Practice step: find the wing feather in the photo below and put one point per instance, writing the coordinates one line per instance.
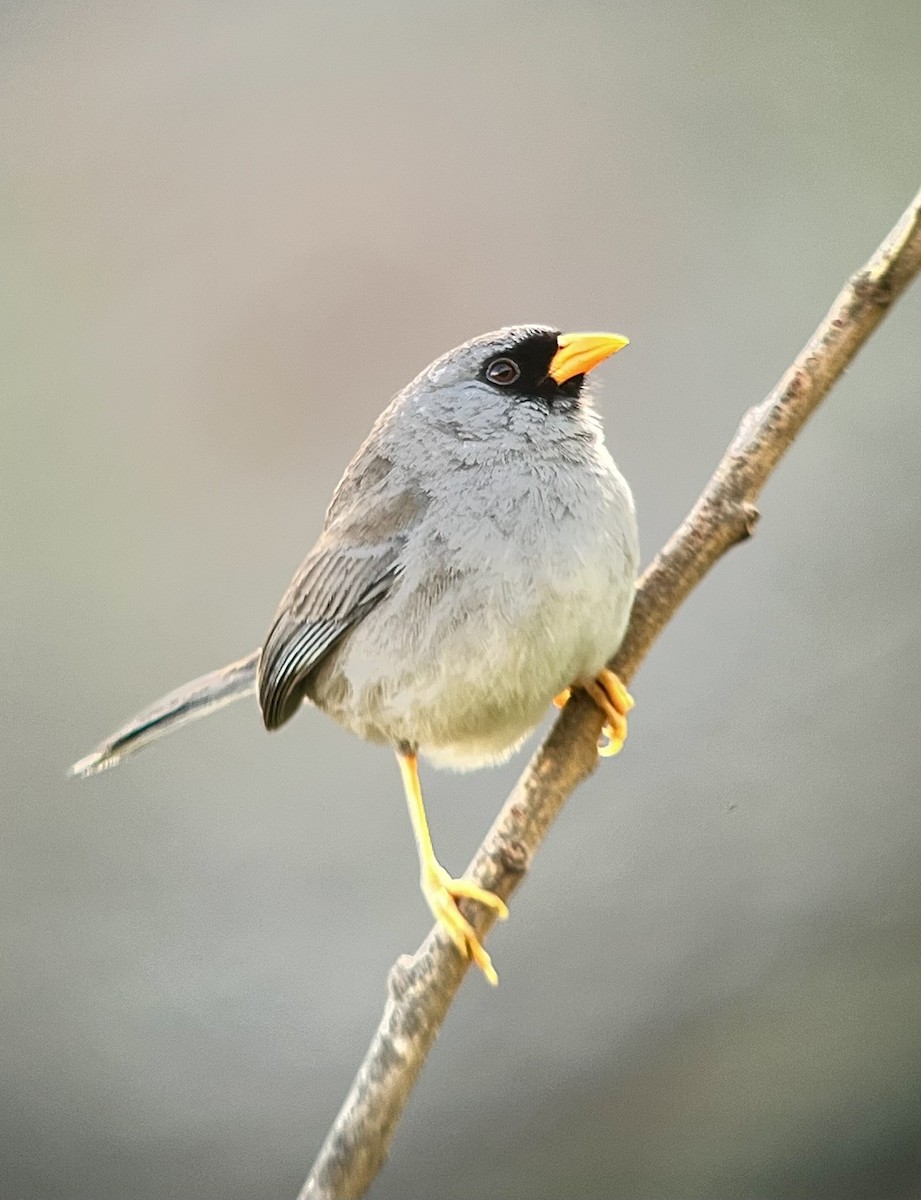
(328, 604)
(351, 569)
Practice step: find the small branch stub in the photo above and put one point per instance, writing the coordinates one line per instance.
(751, 515)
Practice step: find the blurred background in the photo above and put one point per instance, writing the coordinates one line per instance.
(230, 232)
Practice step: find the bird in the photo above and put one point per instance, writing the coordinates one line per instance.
(477, 562)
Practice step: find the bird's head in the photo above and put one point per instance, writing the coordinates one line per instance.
(516, 378)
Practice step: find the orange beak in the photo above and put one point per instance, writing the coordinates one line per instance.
(580, 352)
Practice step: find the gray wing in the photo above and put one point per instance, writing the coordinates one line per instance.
(352, 568)
(334, 590)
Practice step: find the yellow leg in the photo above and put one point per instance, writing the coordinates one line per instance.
(609, 693)
(440, 890)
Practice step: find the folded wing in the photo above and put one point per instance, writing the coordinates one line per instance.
(336, 587)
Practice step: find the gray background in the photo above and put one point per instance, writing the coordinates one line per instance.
(230, 232)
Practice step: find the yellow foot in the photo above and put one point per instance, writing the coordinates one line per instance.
(609, 693)
(442, 893)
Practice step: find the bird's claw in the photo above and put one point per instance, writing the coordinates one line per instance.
(612, 697)
(442, 893)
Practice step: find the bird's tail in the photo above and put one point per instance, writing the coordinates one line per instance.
(185, 704)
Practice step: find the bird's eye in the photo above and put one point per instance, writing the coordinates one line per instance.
(502, 371)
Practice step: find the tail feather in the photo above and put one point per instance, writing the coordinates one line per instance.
(187, 703)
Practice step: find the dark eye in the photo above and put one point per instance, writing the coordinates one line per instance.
(502, 371)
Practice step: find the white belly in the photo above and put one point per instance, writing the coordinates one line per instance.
(467, 677)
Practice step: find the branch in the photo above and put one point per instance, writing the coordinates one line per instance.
(422, 987)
